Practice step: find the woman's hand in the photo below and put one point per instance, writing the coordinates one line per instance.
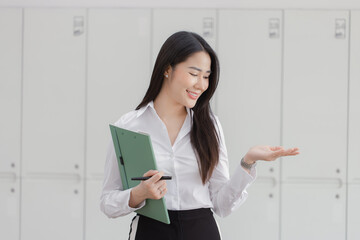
(153, 188)
(268, 153)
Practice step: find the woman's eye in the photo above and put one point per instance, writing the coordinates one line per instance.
(193, 74)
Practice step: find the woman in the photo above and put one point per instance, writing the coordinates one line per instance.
(189, 145)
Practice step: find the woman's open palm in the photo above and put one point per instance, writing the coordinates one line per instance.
(270, 153)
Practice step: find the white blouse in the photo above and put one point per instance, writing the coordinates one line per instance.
(186, 190)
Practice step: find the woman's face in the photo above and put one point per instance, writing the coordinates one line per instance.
(188, 80)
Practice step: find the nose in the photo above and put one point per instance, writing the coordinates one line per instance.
(202, 83)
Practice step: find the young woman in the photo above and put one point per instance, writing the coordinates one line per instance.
(188, 144)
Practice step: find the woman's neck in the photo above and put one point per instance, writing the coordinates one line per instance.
(167, 108)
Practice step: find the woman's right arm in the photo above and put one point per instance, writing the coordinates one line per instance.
(116, 202)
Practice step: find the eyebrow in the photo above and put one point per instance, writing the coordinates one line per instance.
(198, 69)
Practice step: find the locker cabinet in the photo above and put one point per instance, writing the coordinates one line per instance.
(10, 121)
(248, 100)
(118, 75)
(258, 217)
(54, 91)
(9, 208)
(354, 131)
(313, 211)
(248, 106)
(98, 225)
(315, 93)
(52, 208)
(10, 89)
(354, 100)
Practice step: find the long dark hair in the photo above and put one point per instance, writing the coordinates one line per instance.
(204, 138)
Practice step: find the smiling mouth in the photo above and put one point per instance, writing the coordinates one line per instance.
(192, 94)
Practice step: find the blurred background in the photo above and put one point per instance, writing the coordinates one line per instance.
(290, 75)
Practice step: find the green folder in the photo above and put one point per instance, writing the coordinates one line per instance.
(135, 157)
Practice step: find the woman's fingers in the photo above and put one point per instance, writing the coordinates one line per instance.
(150, 173)
(155, 177)
(160, 184)
(155, 187)
(276, 148)
(288, 152)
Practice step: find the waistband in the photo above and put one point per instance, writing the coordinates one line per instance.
(189, 214)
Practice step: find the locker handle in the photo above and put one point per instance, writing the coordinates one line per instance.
(330, 181)
(8, 175)
(64, 176)
(267, 180)
(97, 175)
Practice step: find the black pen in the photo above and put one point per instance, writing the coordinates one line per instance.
(146, 178)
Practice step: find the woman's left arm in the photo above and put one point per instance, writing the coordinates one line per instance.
(226, 193)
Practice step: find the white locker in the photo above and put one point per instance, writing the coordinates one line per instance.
(168, 21)
(258, 217)
(118, 75)
(315, 89)
(313, 211)
(9, 208)
(98, 225)
(52, 209)
(354, 100)
(248, 97)
(10, 121)
(353, 214)
(248, 106)
(353, 209)
(10, 89)
(54, 91)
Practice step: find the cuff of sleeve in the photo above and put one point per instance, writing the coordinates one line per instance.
(252, 173)
(130, 209)
(241, 179)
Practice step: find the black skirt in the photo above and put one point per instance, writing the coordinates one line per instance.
(197, 224)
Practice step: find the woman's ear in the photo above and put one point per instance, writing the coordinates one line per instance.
(168, 71)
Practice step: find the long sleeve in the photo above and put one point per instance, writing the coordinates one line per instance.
(114, 201)
(227, 194)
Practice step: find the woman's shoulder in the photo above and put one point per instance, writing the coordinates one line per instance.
(126, 118)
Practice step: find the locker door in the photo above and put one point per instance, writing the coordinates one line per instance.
(315, 93)
(9, 208)
(98, 225)
(313, 211)
(354, 131)
(118, 75)
(248, 106)
(258, 217)
(10, 121)
(354, 100)
(10, 89)
(248, 99)
(54, 91)
(168, 21)
(52, 209)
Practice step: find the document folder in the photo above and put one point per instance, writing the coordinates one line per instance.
(135, 157)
